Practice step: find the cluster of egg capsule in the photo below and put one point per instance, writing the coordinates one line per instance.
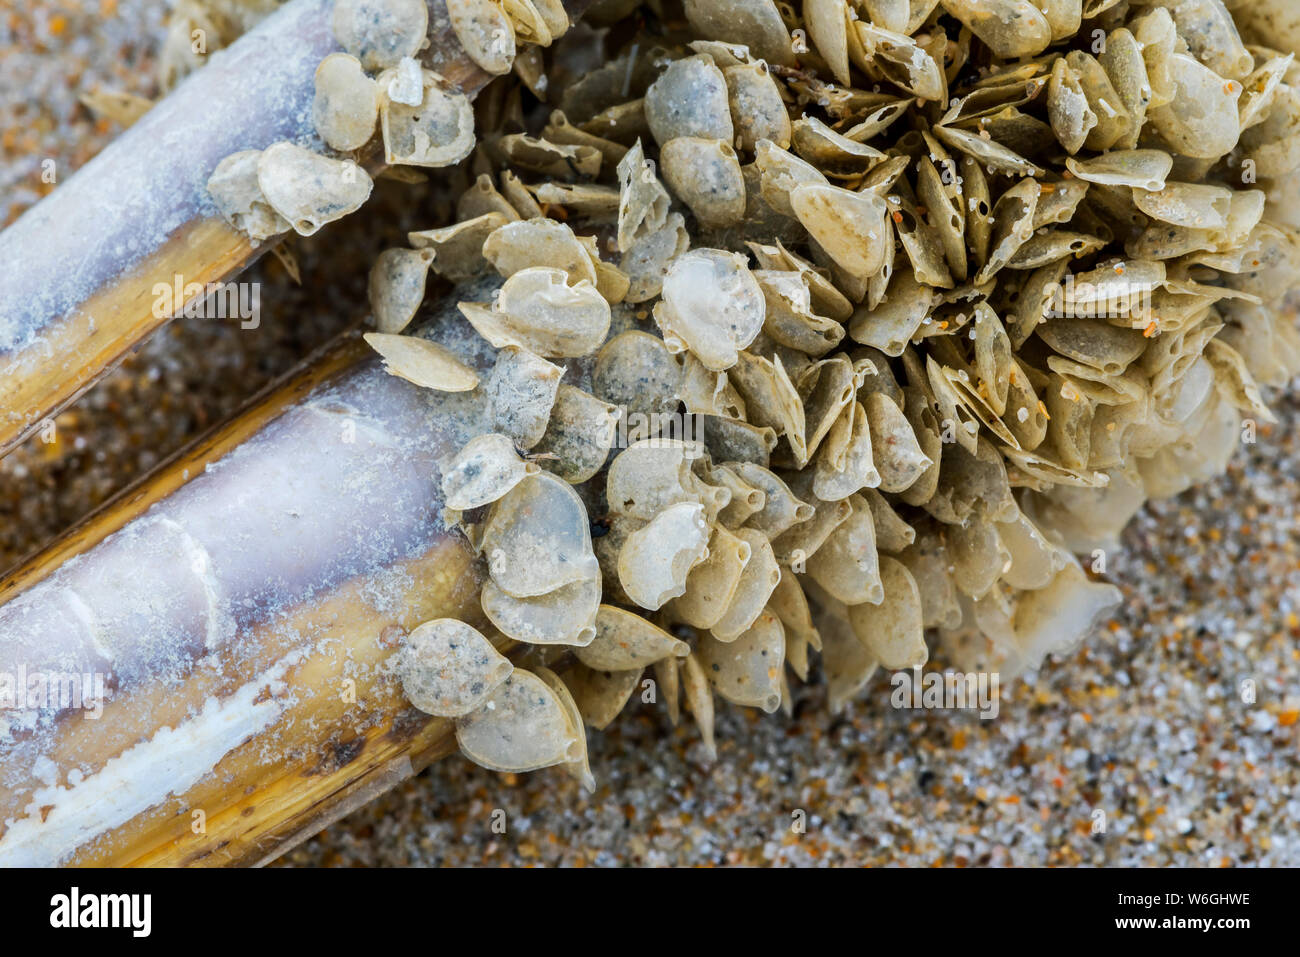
(950, 287)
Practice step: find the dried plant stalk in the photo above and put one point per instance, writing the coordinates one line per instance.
(232, 728)
(82, 264)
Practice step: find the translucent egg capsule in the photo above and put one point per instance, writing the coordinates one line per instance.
(896, 451)
(559, 130)
(538, 310)
(780, 173)
(486, 33)
(711, 585)
(643, 202)
(790, 318)
(1067, 108)
(746, 500)
(1139, 169)
(830, 152)
(484, 197)
(537, 538)
(758, 579)
(757, 110)
(1193, 205)
(850, 226)
(521, 391)
(565, 616)
(987, 152)
(705, 175)
(667, 672)
(756, 24)
(902, 61)
(655, 560)
(1011, 28)
(1212, 37)
(689, 99)
(699, 701)
(801, 541)
(538, 242)
(483, 471)
(309, 190)
(847, 566)
(781, 508)
(449, 669)
(625, 641)
(747, 671)
(238, 197)
(346, 105)
(579, 435)
(521, 727)
(422, 362)
(396, 286)
(589, 201)
(647, 260)
(892, 629)
(1202, 120)
(561, 161)
(578, 767)
(846, 463)
(437, 132)
(601, 695)
(827, 22)
(772, 400)
(380, 32)
(636, 372)
(712, 305)
(1124, 65)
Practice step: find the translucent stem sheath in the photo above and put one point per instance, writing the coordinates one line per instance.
(232, 613)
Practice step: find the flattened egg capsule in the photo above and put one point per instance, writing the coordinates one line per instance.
(747, 671)
(624, 640)
(396, 286)
(310, 190)
(526, 243)
(422, 362)
(537, 538)
(565, 616)
(486, 33)
(521, 391)
(892, 629)
(643, 202)
(538, 310)
(655, 560)
(705, 174)
(689, 99)
(712, 305)
(437, 132)
(758, 579)
(711, 585)
(699, 701)
(448, 668)
(579, 768)
(458, 248)
(521, 727)
(345, 108)
(380, 32)
(235, 191)
(636, 372)
(650, 475)
(601, 695)
(579, 435)
(483, 471)
(647, 260)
